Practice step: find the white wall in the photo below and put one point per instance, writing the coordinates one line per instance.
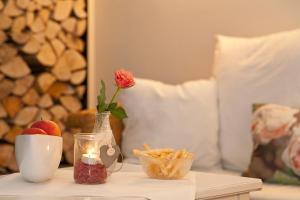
(173, 40)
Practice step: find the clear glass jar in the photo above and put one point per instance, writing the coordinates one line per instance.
(88, 168)
(95, 154)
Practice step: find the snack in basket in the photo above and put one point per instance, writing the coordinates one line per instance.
(165, 163)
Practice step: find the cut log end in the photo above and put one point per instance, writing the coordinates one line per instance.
(4, 128)
(20, 38)
(45, 80)
(32, 46)
(26, 116)
(19, 24)
(15, 68)
(59, 112)
(22, 85)
(62, 9)
(5, 21)
(37, 25)
(7, 53)
(45, 101)
(52, 29)
(75, 60)
(12, 134)
(62, 70)
(6, 87)
(3, 37)
(31, 98)
(79, 8)
(11, 9)
(12, 105)
(44, 14)
(71, 103)
(81, 27)
(78, 77)
(6, 154)
(80, 90)
(3, 112)
(46, 56)
(58, 47)
(59, 89)
(1, 5)
(23, 4)
(44, 115)
(69, 24)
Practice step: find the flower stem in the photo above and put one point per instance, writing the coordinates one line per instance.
(115, 95)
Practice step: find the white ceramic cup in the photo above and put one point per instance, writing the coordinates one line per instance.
(38, 156)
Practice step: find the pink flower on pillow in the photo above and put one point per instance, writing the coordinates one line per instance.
(291, 155)
(272, 121)
(124, 79)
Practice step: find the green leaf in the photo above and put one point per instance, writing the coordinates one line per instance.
(101, 98)
(112, 106)
(102, 91)
(119, 112)
(101, 107)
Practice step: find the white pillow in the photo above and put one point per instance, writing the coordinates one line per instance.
(253, 70)
(177, 116)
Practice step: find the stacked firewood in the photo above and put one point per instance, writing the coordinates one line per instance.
(42, 65)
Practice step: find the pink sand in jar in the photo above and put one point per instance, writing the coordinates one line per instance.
(89, 174)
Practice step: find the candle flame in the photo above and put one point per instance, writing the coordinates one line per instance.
(91, 151)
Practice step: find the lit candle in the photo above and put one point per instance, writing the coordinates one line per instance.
(90, 157)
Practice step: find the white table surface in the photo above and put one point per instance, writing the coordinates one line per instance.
(121, 184)
(212, 185)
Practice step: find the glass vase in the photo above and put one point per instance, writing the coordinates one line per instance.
(110, 149)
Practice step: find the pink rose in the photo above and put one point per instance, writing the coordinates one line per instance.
(271, 122)
(291, 155)
(124, 79)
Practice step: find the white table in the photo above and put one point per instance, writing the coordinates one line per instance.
(225, 187)
(215, 186)
(212, 186)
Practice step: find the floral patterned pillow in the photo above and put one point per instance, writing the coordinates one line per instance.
(276, 153)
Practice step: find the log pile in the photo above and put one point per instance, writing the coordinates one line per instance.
(42, 66)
